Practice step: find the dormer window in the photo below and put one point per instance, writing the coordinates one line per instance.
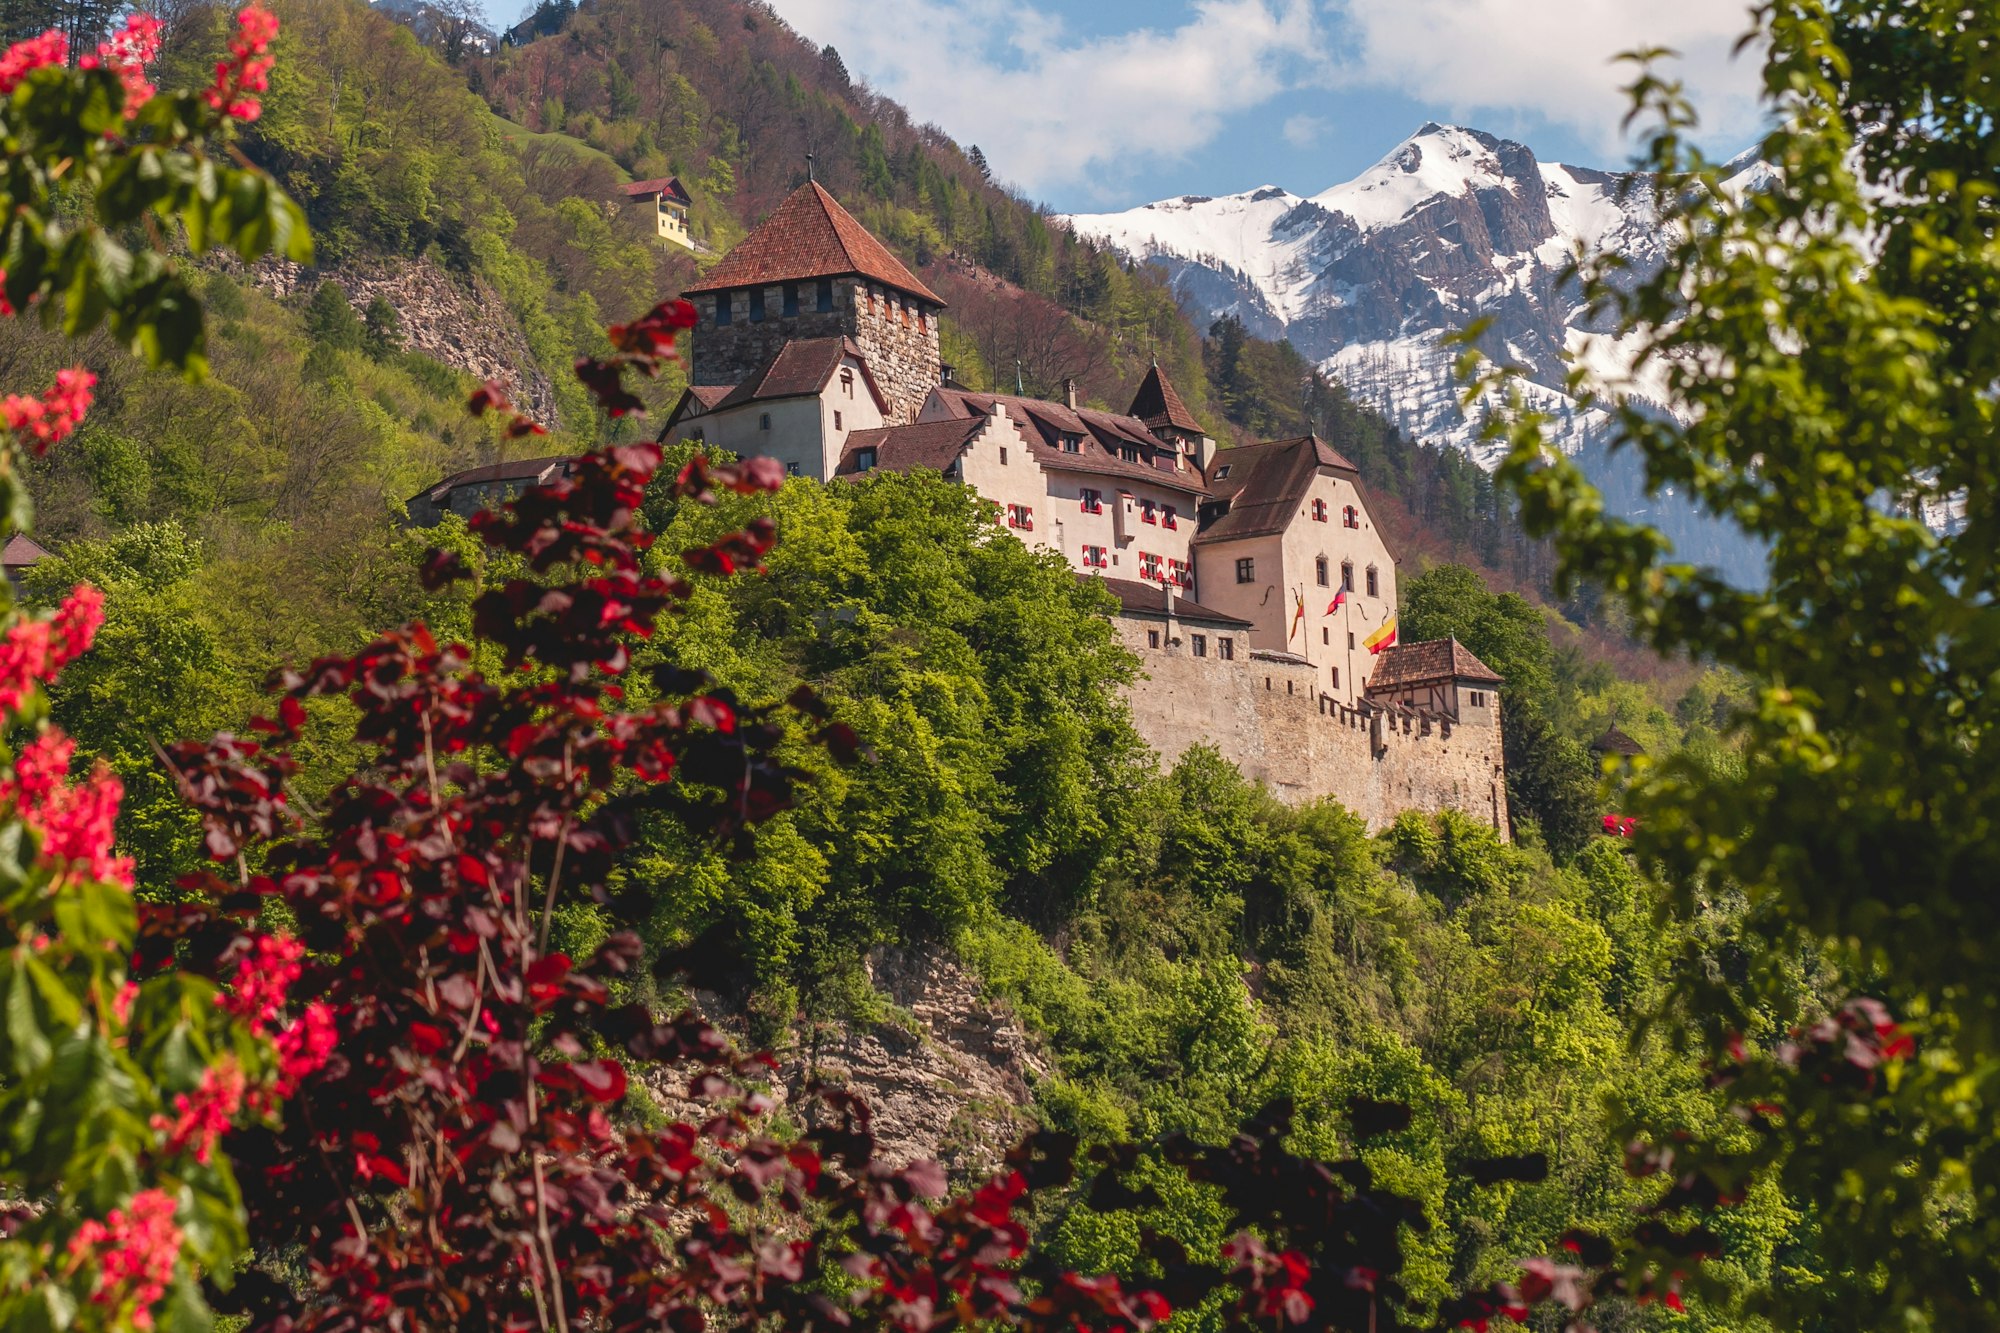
(1072, 444)
(1319, 515)
(864, 460)
(1222, 472)
(1129, 452)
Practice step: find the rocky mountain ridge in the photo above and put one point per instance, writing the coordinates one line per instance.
(1452, 226)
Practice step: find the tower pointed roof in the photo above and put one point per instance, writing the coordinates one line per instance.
(810, 236)
(1158, 404)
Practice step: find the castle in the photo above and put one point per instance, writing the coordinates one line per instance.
(1251, 582)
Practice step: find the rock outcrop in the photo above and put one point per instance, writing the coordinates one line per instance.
(946, 1076)
(459, 321)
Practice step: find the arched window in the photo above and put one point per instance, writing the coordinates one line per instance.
(1319, 515)
(1319, 570)
(1347, 576)
(1350, 517)
(1374, 584)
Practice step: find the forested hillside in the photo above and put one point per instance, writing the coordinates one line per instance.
(1179, 948)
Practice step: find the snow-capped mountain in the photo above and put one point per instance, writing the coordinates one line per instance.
(1452, 226)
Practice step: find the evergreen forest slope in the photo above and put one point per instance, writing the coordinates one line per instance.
(1178, 947)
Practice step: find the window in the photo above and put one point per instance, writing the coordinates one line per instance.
(1222, 472)
(1003, 455)
(1148, 512)
(1225, 648)
(1200, 645)
(1169, 518)
(763, 421)
(1152, 638)
(723, 312)
(1093, 557)
(756, 305)
(1129, 452)
(1072, 444)
(1020, 516)
(1179, 574)
(1479, 698)
(1246, 570)
(864, 460)
(836, 421)
(1347, 576)
(847, 381)
(825, 295)
(1336, 678)
(1319, 511)
(791, 306)
(1319, 570)
(1325, 635)
(1350, 641)
(1149, 566)
(791, 469)
(1374, 584)
(1090, 501)
(1350, 517)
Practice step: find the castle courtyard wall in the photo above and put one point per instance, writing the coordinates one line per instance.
(1267, 716)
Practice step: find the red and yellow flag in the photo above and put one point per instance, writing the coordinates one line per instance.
(1298, 614)
(1381, 638)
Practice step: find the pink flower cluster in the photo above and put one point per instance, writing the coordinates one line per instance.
(303, 1047)
(201, 1118)
(248, 69)
(45, 420)
(128, 53)
(135, 1250)
(25, 57)
(263, 977)
(33, 651)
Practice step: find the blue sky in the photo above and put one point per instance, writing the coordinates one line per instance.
(1092, 105)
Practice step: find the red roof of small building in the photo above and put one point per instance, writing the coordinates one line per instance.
(21, 551)
(1406, 664)
(810, 236)
(1159, 405)
(533, 470)
(669, 186)
(1264, 484)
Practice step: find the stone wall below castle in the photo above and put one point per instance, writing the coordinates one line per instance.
(1267, 716)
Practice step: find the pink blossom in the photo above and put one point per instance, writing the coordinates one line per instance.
(201, 1118)
(121, 1003)
(304, 1046)
(60, 410)
(135, 1251)
(76, 822)
(32, 651)
(263, 977)
(24, 58)
(128, 53)
(247, 69)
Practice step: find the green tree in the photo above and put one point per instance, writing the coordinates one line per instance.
(330, 318)
(1831, 339)
(382, 328)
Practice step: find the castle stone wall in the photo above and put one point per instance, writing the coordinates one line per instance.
(899, 338)
(1267, 716)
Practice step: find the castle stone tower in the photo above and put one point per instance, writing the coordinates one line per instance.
(811, 271)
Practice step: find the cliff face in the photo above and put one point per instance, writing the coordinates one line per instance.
(946, 1077)
(1369, 277)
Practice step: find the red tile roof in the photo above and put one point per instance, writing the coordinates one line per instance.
(21, 551)
(803, 366)
(1264, 484)
(810, 236)
(669, 186)
(1136, 598)
(1407, 664)
(1158, 404)
(932, 444)
(1044, 424)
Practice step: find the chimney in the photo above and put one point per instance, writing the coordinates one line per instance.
(1069, 394)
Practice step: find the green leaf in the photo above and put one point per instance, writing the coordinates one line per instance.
(28, 1045)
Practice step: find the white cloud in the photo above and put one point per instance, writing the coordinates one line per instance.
(1051, 109)
(1303, 131)
(1549, 58)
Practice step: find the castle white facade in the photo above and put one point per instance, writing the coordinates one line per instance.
(1252, 582)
